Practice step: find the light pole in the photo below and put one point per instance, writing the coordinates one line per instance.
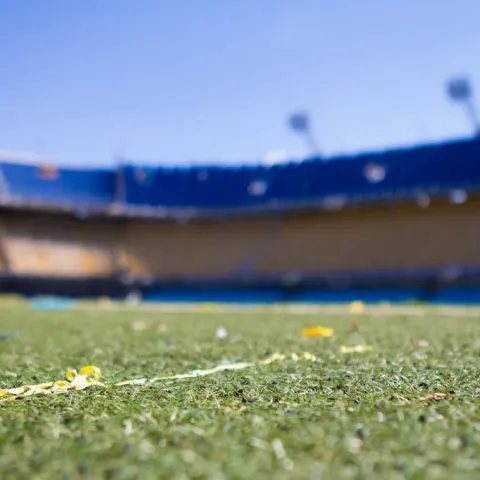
(299, 122)
(460, 90)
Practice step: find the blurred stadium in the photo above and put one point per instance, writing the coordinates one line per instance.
(396, 225)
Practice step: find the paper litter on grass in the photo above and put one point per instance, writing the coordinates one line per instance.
(90, 376)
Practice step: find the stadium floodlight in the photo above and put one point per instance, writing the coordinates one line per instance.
(460, 90)
(299, 122)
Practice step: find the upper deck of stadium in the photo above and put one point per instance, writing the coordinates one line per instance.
(416, 172)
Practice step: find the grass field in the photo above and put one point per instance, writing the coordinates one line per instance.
(343, 416)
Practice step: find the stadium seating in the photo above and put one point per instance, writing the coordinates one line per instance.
(194, 250)
(400, 241)
(377, 241)
(51, 246)
(51, 249)
(43, 184)
(401, 172)
(372, 241)
(394, 173)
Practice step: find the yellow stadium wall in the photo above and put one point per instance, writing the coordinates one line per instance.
(367, 239)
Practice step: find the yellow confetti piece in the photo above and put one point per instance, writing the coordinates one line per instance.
(139, 326)
(207, 307)
(87, 377)
(90, 376)
(318, 331)
(356, 349)
(434, 396)
(356, 307)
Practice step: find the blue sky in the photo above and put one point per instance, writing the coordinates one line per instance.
(188, 81)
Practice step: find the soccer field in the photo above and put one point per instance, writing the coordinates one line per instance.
(346, 415)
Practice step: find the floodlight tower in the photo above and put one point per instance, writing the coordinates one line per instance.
(299, 122)
(460, 90)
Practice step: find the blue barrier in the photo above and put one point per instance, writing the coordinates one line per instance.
(52, 304)
(397, 295)
(9, 335)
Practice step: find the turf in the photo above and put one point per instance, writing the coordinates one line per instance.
(344, 416)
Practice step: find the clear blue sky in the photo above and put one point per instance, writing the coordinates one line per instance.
(181, 81)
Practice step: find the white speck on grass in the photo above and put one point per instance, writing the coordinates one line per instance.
(221, 333)
(278, 449)
(128, 428)
(188, 456)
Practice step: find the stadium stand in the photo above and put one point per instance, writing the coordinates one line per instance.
(387, 220)
(401, 239)
(57, 246)
(45, 184)
(430, 168)
(396, 173)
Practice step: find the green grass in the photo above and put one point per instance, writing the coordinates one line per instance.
(345, 416)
